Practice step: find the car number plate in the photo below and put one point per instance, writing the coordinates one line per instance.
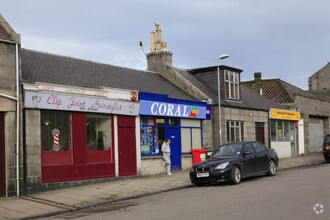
(328, 147)
(203, 174)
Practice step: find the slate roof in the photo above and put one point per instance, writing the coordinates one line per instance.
(249, 98)
(280, 91)
(49, 68)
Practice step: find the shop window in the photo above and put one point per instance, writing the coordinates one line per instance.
(191, 135)
(152, 135)
(282, 130)
(55, 130)
(98, 132)
(190, 123)
(235, 131)
(196, 138)
(186, 139)
(232, 85)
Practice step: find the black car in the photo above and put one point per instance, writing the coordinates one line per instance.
(326, 148)
(232, 162)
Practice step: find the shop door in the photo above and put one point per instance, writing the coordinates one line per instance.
(126, 146)
(260, 132)
(2, 157)
(174, 135)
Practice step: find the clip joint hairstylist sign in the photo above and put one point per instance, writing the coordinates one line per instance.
(79, 103)
(172, 110)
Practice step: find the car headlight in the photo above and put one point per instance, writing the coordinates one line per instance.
(221, 166)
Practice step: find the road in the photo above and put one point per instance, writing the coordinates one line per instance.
(291, 194)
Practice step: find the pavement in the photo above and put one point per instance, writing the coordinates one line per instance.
(70, 199)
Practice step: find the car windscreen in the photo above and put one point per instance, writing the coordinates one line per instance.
(327, 140)
(228, 150)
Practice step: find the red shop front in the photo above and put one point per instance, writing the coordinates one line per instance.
(92, 143)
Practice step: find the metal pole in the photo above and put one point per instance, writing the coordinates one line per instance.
(17, 122)
(219, 105)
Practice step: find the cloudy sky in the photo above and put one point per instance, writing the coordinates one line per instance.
(287, 39)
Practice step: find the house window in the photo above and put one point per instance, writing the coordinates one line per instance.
(235, 131)
(232, 85)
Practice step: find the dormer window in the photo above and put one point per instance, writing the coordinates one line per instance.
(232, 85)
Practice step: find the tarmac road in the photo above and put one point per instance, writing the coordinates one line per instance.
(300, 193)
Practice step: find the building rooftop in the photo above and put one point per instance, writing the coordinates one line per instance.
(50, 68)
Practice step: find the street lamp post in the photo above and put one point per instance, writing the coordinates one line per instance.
(223, 56)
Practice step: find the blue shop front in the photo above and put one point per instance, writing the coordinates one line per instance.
(180, 120)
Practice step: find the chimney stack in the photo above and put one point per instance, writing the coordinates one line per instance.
(257, 77)
(159, 57)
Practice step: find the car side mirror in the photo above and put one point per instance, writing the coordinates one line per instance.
(246, 153)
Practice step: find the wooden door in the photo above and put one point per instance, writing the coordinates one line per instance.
(260, 132)
(126, 146)
(2, 156)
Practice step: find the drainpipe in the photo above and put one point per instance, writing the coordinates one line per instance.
(17, 114)
(17, 122)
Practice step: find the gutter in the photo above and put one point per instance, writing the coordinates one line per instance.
(17, 98)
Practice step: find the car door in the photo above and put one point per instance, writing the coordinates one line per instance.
(261, 157)
(249, 159)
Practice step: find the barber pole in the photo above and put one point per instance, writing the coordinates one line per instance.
(56, 134)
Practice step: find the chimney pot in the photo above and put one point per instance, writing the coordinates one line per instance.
(159, 37)
(153, 44)
(164, 45)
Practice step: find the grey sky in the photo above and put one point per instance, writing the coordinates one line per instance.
(287, 39)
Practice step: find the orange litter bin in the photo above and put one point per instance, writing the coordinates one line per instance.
(198, 155)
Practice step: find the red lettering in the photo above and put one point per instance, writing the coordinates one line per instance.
(53, 100)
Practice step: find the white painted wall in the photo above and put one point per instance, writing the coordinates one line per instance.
(115, 137)
(301, 136)
(138, 147)
(283, 148)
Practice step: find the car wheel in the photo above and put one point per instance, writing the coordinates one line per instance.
(235, 175)
(271, 168)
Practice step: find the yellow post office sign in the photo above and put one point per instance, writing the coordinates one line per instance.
(286, 115)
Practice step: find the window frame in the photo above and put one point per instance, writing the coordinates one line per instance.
(232, 85)
(230, 126)
(290, 128)
(152, 151)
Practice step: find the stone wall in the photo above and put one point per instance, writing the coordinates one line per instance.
(10, 143)
(313, 108)
(8, 87)
(248, 117)
(153, 165)
(32, 151)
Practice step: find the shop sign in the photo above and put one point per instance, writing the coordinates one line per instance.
(172, 110)
(79, 103)
(283, 114)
